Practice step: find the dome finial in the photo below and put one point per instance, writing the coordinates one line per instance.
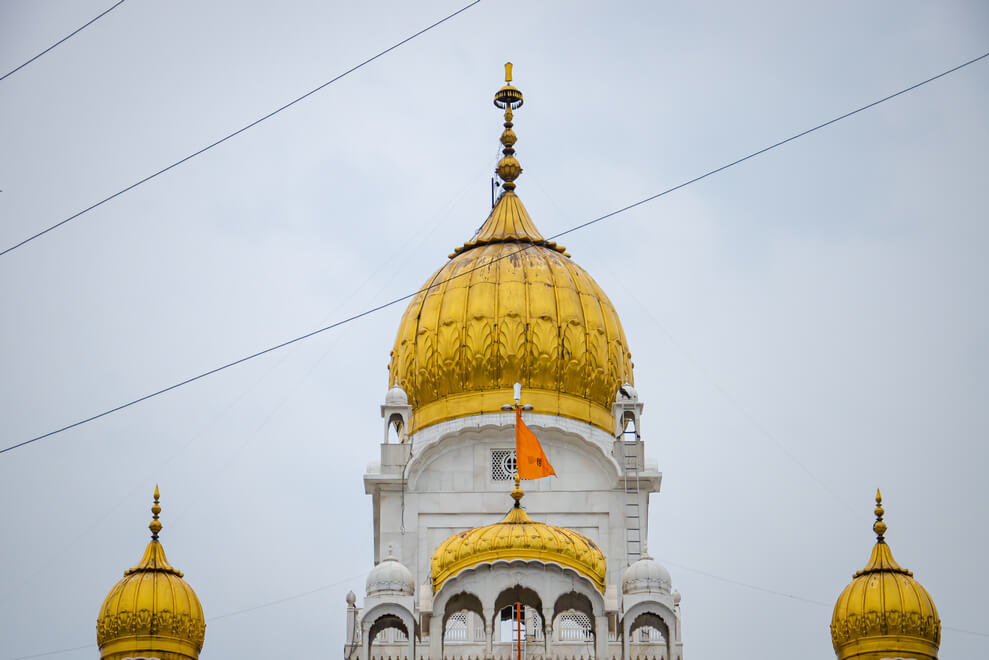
(509, 98)
(879, 527)
(517, 492)
(155, 525)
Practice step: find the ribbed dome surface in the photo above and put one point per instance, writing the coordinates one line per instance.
(518, 537)
(151, 609)
(510, 307)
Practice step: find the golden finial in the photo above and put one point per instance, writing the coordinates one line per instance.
(510, 99)
(517, 492)
(879, 527)
(155, 525)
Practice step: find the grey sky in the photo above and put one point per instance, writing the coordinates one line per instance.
(805, 327)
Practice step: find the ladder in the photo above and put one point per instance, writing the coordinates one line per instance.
(633, 519)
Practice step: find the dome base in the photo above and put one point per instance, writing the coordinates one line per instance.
(543, 402)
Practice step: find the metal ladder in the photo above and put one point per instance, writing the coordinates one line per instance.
(633, 520)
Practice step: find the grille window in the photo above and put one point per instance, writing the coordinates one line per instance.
(456, 628)
(574, 627)
(502, 464)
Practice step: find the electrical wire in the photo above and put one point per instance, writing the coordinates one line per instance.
(226, 615)
(783, 594)
(738, 583)
(238, 131)
(509, 255)
(61, 41)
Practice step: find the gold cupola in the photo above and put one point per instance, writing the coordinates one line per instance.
(510, 306)
(885, 612)
(518, 537)
(151, 612)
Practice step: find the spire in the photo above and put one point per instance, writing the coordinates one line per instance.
(508, 222)
(879, 527)
(517, 492)
(154, 555)
(881, 559)
(155, 525)
(509, 98)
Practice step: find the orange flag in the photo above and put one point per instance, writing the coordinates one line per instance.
(530, 460)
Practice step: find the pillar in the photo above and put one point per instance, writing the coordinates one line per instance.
(436, 637)
(601, 636)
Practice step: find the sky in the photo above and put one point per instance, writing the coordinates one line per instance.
(806, 326)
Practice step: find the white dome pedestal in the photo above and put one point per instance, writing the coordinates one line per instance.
(648, 600)
(390, 603)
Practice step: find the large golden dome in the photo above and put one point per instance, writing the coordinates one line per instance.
(885, 612)
(510, 306)
(152, 611)
(518, 537)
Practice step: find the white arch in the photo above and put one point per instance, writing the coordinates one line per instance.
(383, 616)
(551, 583)
(643, 613)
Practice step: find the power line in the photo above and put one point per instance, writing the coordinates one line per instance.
(270, 603)
(303, 594)
(432, 285)
(56, 652)
(61, 41)
(783, 594)
(238, 131)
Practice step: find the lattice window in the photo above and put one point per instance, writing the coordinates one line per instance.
(574, 627)
(390, 635)
(456, 628)
(502, 464)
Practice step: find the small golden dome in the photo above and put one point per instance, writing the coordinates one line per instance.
(510, 306)
(152, 611)
(518, 537)
(885, 612)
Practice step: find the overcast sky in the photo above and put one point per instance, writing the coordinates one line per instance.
(805, 327)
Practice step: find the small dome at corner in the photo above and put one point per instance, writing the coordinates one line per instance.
(627, 393)
(396, 397)
(390, 577)
(646, 576)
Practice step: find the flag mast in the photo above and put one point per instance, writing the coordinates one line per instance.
(530, 459)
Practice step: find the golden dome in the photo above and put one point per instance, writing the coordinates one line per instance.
(510, 306)
(518, 537)
(885, 612)
(152, 611)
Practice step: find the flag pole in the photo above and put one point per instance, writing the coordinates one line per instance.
(518, 628)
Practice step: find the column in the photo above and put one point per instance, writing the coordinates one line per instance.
(601, 636)
(436, 636)
(489, 628)
(548, 631)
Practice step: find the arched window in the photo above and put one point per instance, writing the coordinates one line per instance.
(574, 627)
(457, 629)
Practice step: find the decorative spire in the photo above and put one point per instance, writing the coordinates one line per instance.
(517, 492)
(155, 525)
(509, 98)
(879, 527)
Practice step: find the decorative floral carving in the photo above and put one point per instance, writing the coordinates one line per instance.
(144, 622)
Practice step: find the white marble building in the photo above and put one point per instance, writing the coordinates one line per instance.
(462, 572)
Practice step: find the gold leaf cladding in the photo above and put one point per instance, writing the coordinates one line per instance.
(511, 348)
(507, 316)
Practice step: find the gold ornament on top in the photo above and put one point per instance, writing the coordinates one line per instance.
(510, 306)
(519, 537)
(152, 611)
(885, 612)
(509, 98)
